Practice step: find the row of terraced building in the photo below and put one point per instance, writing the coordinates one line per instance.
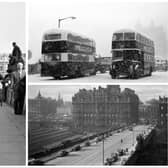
(104, 108)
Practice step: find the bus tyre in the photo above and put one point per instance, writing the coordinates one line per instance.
(57, 77)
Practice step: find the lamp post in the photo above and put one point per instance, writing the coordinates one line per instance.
(133, 137)
(59, 20)
(103, 150)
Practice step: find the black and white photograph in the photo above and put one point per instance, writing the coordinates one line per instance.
(98, 41)
(12, 83)
(91, 125)
(83, 83)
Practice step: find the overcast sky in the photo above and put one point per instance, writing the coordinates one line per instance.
(97, 19)
(12, 25)
(145, 92)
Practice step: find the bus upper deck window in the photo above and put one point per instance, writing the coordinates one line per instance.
(129, 36)
(52, 36)
(118, 36)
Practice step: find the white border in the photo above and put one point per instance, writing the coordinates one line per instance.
(67, 84)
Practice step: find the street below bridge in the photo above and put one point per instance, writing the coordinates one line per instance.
(103, 78)
(93, 155)
(12, 137)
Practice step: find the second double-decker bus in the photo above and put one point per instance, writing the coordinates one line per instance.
(132, 54)
(67, 54)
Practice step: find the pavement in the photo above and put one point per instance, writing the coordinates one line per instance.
(103, 78)
(12, 137)
(92, 155)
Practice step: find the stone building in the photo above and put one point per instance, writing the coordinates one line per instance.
(162, 114)
(148, 111)
(42, 109)
(104, 108)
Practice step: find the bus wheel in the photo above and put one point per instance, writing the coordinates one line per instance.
(57, 77)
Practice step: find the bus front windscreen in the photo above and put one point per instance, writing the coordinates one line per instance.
(127, 55)
(117, 54)
(124, 44)
(131, 55)
(65, 46)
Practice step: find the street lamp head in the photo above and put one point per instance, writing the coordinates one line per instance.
(59, 20)
(73, 17)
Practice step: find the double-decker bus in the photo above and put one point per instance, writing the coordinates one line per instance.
(67, 54)
(132, 55)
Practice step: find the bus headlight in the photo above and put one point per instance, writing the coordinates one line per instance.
(57, 57)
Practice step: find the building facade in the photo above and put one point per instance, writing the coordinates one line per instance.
(42, 109)
(162, 115)
(104, 108)
(161, 64)
(148, 111)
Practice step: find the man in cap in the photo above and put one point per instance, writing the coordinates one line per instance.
(18, 84)
(16, 53)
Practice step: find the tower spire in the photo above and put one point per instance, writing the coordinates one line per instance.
(39, 95)
(60, 100)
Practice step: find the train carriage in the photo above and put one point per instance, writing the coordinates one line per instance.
(67, 54)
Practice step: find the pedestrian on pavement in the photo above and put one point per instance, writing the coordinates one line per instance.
(16, 53)
(18, 82)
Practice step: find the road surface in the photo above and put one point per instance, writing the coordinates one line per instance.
(92, 155)
(157, 77)
(12, 137)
